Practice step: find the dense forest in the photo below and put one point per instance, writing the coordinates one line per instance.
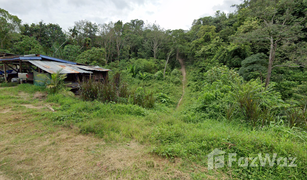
(245, 67)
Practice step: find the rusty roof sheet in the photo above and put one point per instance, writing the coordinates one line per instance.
(53, 67)
(92, 68)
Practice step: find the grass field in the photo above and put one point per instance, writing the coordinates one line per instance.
(33, 146)
(96, 140)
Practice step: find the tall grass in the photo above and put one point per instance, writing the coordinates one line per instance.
(115, 91)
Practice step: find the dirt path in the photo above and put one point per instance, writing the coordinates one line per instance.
(184, 80)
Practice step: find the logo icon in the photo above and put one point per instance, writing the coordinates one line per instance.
(216, 159)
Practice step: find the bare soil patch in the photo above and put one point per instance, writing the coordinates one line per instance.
(40, 95)
(3, 111)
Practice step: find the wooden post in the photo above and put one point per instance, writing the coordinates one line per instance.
(20, 70)
(20, 67)
(4, 69)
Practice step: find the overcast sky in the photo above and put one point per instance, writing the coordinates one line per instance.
(169, 14)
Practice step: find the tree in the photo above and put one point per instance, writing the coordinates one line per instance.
(155, 38)
(48, 35)
(71, 52)
(118, 32)
(254, 66)
(177, 43)
(94, 56)
(9, 24)
(85, 33)
(133, 35)
(279, 26)
(107, 40)
(27, 45)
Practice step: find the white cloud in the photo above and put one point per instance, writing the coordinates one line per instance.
(170, 14)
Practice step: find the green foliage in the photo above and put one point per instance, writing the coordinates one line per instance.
(132, 69)
(176, 73)
(145, 76)
(113, 91)
(225, 94)
(176, 80)
(145, 65)
(254, 67)
(27, 45)
(29, 88)
(163, 98)
(56, 83)
(159, 75)
(71, 52)
(94, 56)
(10, 25)
(195, 141)
(297, 117)
(141, 98)
(9, 84)
(48, 35)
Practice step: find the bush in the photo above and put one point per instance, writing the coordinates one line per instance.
(163, 98)
(226, 95)
(141, 98)
(176, 73)
(113, 91)
(159, 75)
(176, 80)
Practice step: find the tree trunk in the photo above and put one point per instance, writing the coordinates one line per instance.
(168, 56)
(271, 60)
(118, 51)
(154, 51)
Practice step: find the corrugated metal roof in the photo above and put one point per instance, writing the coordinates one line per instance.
(92, 68)
(34, 57)
(55, 59)
(53, 67)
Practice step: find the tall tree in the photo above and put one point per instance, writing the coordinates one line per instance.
(107, 40)
(119, 40)
(46, 34)
(27, 45)
(85, 33)
(9, 24)
(155, 38)
(133, 34)
(279, 26)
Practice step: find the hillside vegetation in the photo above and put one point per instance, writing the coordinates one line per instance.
(245, 90)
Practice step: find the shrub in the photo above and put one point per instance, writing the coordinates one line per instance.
(226, 95)
(254, 66)
(55, 84)
(113, 91)
(176, 73)
(159, 75)
(163, 98)
(176, 80)
(141, 98)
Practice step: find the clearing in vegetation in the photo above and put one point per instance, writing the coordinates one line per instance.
(34, 147)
